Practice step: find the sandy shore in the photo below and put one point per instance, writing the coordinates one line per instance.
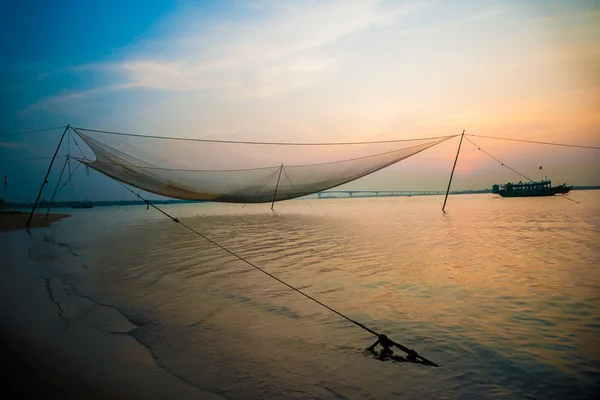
(10, 220)
(55, 343)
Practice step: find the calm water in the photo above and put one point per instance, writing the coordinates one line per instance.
(503, 293)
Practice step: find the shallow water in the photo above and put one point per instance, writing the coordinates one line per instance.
(503, 293)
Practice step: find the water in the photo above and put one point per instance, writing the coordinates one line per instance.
(503, 293)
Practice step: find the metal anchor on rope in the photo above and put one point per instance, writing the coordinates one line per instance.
(412, 356)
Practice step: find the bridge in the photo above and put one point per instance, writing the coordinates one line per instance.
(334, 194)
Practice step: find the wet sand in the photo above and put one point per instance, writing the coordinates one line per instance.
(13, 220)
(27, 373)
(55, 343)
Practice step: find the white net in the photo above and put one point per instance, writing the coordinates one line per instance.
(239, 172)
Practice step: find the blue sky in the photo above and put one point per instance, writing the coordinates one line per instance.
(306, 71)
(43, 37)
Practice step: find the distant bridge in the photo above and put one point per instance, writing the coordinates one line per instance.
(333, 194)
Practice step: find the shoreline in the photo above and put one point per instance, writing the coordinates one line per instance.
(15, 220)
(56, 343)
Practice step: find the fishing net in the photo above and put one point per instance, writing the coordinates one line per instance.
(239, 172)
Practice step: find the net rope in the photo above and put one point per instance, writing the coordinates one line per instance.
(416, 357)
(501, 163)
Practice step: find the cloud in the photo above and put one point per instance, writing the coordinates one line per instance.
(272, 56)
(277, 51)
(488, 13)
(14, 145)
(69, 97)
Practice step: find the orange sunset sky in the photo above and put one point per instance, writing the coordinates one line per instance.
(333, 71)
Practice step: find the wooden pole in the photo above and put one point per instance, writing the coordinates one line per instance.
(4, 196)
(276, 186)
(56, 188)
(46, 178)
(454, 166)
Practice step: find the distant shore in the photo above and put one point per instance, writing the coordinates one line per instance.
(14, 220)
(320, 195)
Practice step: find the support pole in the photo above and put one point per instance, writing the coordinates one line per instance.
(56, 188)
(4, 196)
(276, 186)
(46, 178)
(454, 166)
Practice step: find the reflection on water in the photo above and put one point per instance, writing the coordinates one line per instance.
(502, 292)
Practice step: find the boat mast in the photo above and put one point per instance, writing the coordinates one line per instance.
(454, 166)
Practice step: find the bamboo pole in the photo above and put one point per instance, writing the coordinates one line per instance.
(56, 188)
(276, 186)
(46, 177)
(454, 166)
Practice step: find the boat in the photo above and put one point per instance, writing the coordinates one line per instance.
(83, 204)
(530, 189)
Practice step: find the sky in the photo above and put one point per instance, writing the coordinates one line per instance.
(305, 71)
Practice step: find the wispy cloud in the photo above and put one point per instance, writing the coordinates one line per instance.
(487, 13)
(281, 51)
(68, 97)
(14, 145)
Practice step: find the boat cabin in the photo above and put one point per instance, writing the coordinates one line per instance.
(523, 186)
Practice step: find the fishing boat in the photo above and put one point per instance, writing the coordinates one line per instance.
(530, 189)
(83, 204)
